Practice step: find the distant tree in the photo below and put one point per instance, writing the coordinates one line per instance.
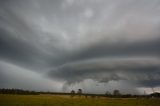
(79, 92)
(116, 92)
(72, 93)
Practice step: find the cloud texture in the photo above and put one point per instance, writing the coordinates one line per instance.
(69, 42)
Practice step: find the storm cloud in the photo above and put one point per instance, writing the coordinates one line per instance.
(61, 43)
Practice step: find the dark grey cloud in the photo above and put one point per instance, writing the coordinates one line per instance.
(72, 41)
(140, 70)
(102, 49)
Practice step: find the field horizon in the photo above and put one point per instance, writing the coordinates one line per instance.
(67, 100)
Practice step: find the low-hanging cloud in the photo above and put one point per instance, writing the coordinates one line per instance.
(140, 70)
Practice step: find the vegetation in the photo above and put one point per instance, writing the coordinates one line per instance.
(64, 100)
(17, 97)
(17, 91)
(116, 93)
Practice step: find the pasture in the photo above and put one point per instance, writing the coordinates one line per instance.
(59, 100)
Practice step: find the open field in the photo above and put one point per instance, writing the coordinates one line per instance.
(50, 100)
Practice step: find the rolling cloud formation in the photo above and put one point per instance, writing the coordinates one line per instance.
(65, 42)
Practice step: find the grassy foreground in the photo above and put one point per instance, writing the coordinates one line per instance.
(50, 100)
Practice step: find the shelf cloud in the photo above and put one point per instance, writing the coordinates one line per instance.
(62, 43)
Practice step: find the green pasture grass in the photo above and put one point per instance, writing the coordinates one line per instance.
(59, 100)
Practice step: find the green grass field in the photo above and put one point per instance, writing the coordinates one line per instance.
(50, 100)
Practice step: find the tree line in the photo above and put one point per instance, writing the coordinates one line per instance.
(115, 94)
(17, 91)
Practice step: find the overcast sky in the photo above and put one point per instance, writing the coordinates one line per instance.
(95, 45)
